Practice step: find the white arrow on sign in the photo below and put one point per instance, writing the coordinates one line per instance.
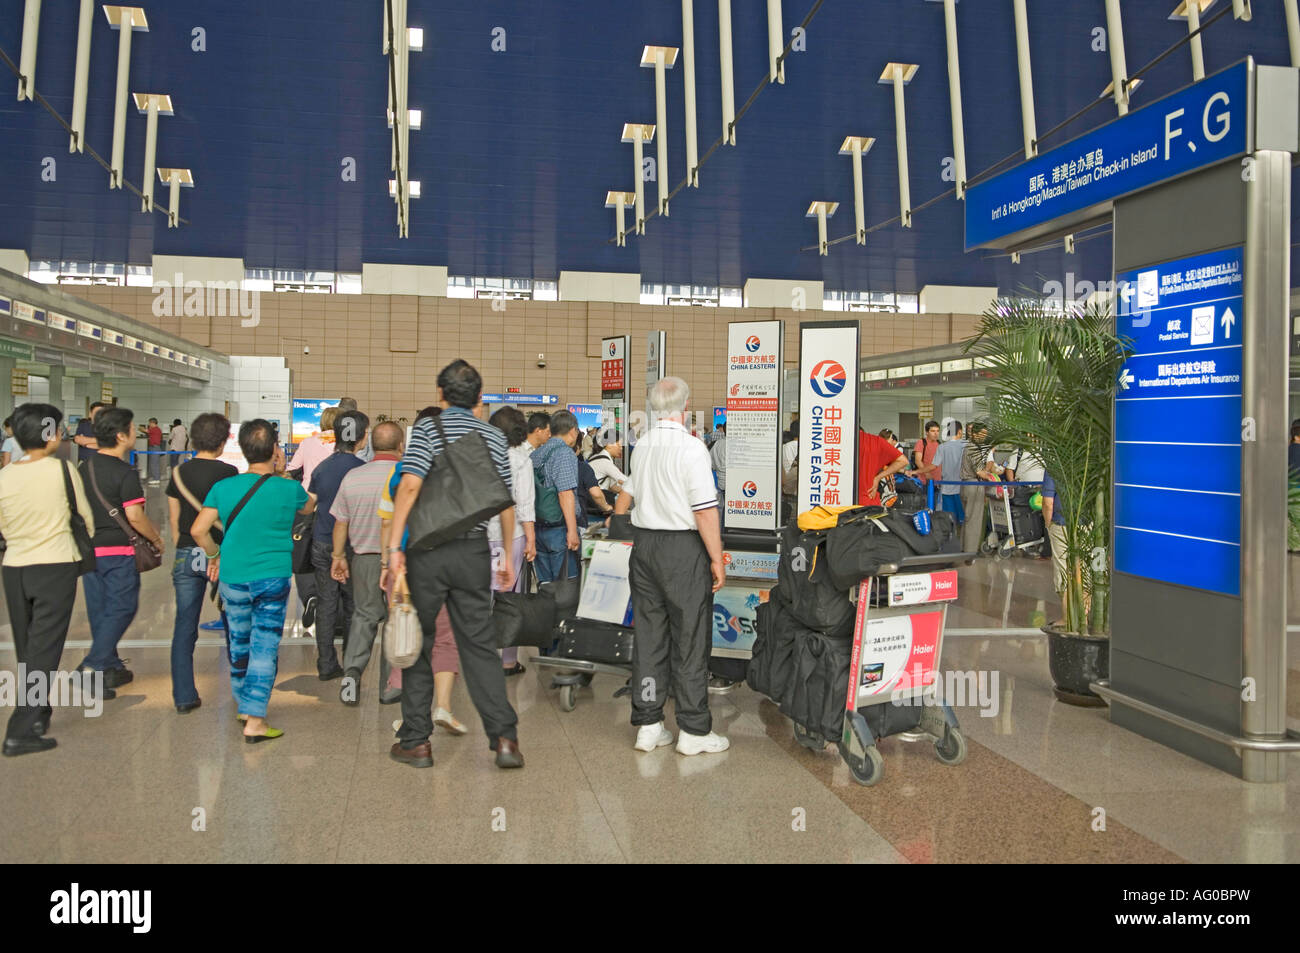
(1227, 322)
(1126, 378)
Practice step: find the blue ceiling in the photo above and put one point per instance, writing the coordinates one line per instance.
(519, 147)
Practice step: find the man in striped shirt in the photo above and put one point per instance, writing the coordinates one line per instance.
(458, 573)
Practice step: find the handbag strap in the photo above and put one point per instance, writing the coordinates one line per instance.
(72, 494)
(190, 498)
(113, 511)
(246, 497)
(442, 437)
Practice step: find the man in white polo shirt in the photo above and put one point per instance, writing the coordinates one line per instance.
(676, 567)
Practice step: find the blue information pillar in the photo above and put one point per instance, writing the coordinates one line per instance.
(1178, 421)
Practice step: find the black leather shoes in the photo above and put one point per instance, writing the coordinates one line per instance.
(508, 755)
(188, 707)
(331, 673)
(421, 756)
(13, 747)
(115, 677)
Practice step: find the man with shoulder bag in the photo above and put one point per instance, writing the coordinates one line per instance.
(455, 475)
(125, 539)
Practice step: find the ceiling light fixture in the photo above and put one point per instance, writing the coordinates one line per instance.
(661, 58)
(126, 20)
(899, 75)
(152, 104)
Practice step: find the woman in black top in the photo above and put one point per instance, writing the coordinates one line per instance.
(186, 492)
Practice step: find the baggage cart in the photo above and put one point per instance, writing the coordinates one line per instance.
(1013, 526)
(894, 666)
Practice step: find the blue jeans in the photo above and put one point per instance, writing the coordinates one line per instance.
(951, 503)
(112, 597)
(190, 580)
(255, 624)
(550, 553)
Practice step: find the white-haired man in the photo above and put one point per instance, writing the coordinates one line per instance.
(676, 567)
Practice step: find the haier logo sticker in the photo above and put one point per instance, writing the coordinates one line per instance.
(750, 489)
(828, 379)
(752, 343)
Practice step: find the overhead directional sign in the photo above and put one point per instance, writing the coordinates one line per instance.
(539, 400)
(1178, 421)
(1188, 130)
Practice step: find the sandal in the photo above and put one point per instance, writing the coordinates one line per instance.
(271, 734)
(446, 719)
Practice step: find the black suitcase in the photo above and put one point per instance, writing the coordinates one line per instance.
(1027, 524)
(815, 699)
(771, 667)
(590, 641)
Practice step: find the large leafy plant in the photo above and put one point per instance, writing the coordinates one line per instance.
(1056, 374)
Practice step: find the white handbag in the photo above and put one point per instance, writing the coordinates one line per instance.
(403, 637)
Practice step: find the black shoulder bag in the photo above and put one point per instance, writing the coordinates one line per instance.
(80, 534)
(461, 490)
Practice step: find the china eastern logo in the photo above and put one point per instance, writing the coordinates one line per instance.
(613, 348)
(828, 379)
(752, 343)
(750, 489)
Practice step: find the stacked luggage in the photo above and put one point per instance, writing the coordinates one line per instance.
(803, 649)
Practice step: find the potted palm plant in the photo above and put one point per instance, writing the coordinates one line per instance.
(1056, 374)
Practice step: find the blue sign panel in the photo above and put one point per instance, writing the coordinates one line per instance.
(1189, 130)
(1178, 423)
(588, 415)
(538, 400)
(719, 417)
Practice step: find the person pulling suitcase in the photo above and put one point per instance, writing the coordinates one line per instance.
(675, 569)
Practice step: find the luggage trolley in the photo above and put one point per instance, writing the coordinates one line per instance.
(572, 673)
(1014, 525)
(894, 668)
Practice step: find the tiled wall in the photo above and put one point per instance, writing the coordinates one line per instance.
(386, 350)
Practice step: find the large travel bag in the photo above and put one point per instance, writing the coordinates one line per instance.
(771, 665)
(820, 683)
(815, 601)
(589, 641)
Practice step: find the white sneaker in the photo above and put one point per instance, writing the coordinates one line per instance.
(712, 743)
(649, 737)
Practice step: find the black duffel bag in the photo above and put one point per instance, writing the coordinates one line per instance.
(564, 590)
(816, 602)
(818, 693)
(858, 550)
(461, 490)
(771, 666)
(524, 618)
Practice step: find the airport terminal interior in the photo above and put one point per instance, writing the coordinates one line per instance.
(971, 322)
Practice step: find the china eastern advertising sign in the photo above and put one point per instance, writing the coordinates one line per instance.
(753, 418)
(1178, 418)
(828, 414)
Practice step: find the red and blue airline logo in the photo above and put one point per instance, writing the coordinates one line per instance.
(828, 379)
(613, 348)
(750, 488)
(752, 343)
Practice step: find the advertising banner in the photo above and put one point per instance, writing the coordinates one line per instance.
(613, 385)
(735, 618)
(909, 589)
(1178, 423)
(755, 354)
(588, 415)
(899, 654)
(306, 416)
(719, 417)
(828, 414)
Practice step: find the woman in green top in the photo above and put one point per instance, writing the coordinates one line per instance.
(254, 567)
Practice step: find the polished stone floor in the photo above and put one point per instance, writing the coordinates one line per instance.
(143, 784)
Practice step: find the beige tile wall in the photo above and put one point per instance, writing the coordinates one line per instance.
(386, 350)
